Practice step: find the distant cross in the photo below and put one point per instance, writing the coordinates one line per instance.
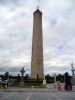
(72, 65)
(22, 73)
(72, 69)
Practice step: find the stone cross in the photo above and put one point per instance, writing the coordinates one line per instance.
(73, 75)
(72, 69)
(22, 73)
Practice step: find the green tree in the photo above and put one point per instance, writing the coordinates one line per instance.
(67, 78)
(60, 77)
(47, 77)
(6, 75)
(26, 77)
(18, 77)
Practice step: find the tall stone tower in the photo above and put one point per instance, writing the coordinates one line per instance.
(37, 46)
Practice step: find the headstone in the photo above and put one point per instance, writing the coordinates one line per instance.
(55, 84)
(44, 82)
(73, 75)
(72, 69)
(54, 77)
(0, 78)
(22, 73)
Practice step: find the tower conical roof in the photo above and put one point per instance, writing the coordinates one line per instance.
(37, 10)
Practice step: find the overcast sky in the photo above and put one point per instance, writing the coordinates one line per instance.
(16, 30)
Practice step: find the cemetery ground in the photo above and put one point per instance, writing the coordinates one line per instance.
(27, 92)
(37, 92)
(31, 82)
(51, 93)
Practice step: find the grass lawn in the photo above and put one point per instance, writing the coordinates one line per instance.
(27, 85)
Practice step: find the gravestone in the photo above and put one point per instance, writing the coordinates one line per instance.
(54, 77)
(22, 73)
(72, 69)
(44, 82)
(73, 75)
(55, 84)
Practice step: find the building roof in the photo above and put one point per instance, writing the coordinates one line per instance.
(37, 10)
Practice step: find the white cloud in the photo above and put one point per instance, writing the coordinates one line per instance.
(16, 27)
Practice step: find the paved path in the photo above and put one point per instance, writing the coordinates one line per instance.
(36, 94)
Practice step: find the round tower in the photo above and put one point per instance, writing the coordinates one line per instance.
(37, 46)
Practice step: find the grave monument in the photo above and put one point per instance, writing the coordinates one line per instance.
(54, 77)
(73, 75)
(22, 73)
(55, 84)
(44, 82)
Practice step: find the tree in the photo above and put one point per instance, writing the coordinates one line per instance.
(47, 77)
(6, 75)
(67, 78)
(60, 77)
(18, 77)
(26, 77)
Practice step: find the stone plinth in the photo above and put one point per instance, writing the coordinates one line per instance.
(44, 82)
(21, 84)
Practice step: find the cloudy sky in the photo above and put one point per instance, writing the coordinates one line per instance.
(16, 30)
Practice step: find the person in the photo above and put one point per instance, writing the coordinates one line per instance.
(59, 86)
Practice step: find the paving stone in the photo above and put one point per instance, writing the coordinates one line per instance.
(36, 94)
